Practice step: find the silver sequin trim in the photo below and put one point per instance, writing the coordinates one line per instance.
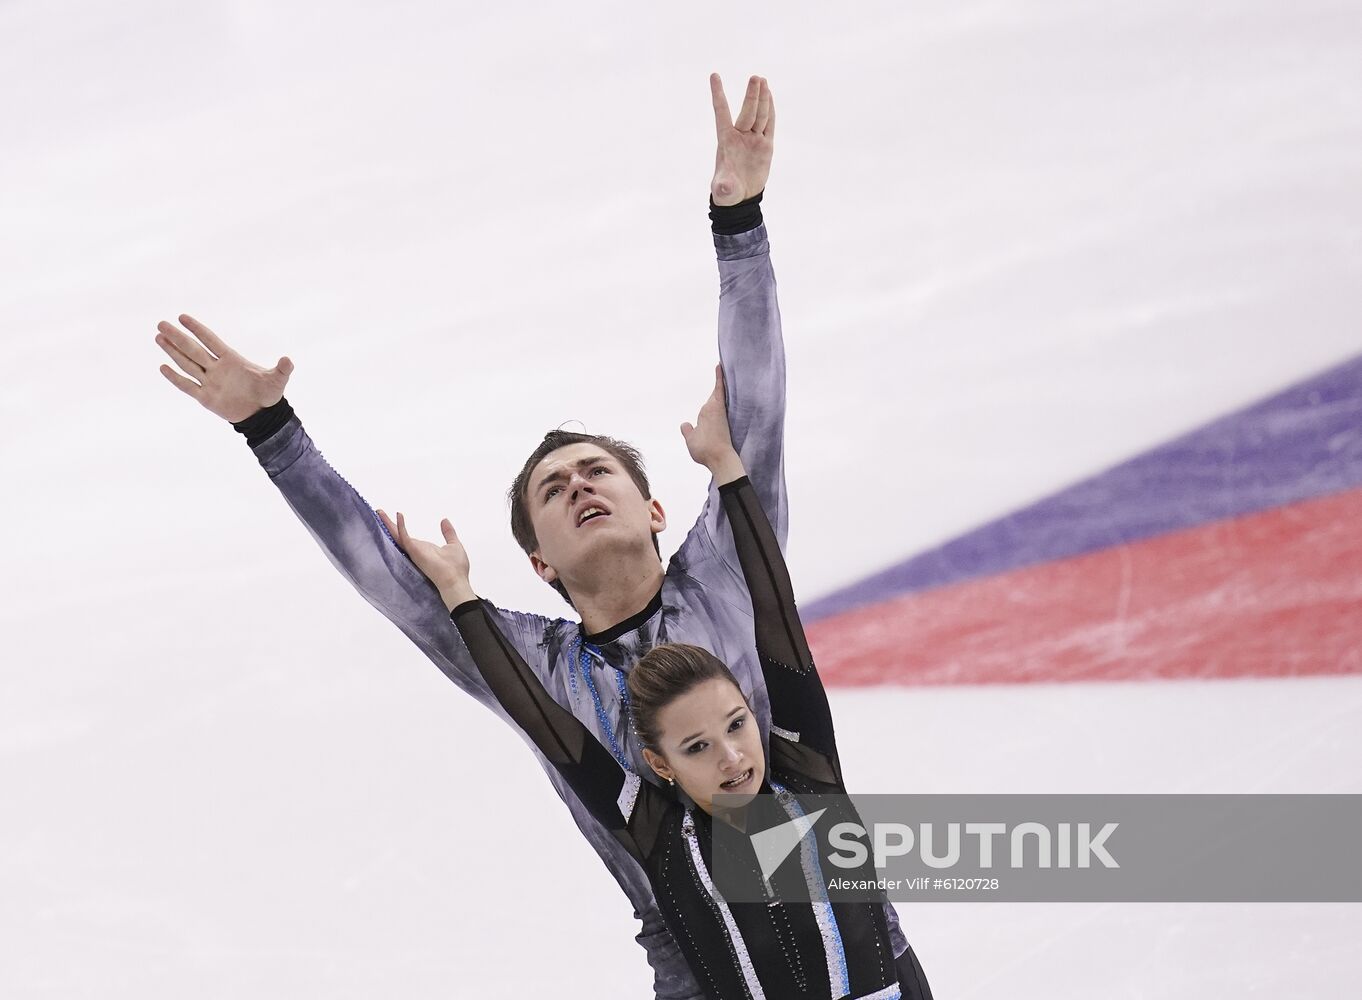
(628, 794)
(749, 974)
(786, 734)
(888, 993)
(833, 950)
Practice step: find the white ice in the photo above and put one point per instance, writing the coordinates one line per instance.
(1015, 243)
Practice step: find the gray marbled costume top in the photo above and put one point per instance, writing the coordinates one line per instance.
(704, 599)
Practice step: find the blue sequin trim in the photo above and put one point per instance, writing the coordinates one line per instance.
(584, 664)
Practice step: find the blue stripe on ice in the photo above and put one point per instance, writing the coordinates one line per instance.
(1303, 442)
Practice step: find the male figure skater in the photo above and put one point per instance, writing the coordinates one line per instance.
(582, 511)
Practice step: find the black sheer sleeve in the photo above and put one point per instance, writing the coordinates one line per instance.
(799, 706)
(624, 804)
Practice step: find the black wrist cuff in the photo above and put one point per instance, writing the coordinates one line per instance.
(261, 425)
(729, 220)
(459, 610)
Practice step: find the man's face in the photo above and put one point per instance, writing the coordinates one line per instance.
(588, 515)
(710, 744)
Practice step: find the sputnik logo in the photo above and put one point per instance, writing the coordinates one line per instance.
(773, 846)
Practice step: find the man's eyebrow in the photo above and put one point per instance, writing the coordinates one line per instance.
(693, 735)
(553, 477)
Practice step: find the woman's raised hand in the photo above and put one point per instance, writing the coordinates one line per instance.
(708, 440)
(218, 377)
(446, 566)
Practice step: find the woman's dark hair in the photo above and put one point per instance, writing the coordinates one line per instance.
(664, 674)
(521, 525)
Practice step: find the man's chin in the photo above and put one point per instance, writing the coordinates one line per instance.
(608, 542)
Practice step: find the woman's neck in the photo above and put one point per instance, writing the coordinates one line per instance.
(736, 818)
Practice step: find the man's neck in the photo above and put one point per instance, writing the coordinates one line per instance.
(620, 595)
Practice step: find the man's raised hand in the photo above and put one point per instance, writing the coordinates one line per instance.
(742, 161)
(218, 377)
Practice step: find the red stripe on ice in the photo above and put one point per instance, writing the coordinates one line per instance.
(1272, 594)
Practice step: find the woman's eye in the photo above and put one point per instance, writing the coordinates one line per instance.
(599, 468)
(695, 747)
(737, 723)
(550, 493)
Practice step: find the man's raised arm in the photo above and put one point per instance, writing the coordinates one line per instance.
(751, 349)
(752, 352)
(338, 518)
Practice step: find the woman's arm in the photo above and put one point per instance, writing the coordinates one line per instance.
(605, 788)
(611, 793)
(799, 705)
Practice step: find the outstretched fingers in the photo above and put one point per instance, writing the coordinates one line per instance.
(187, 366)
(716, 399)
(210, 339)
(183, 350)
(758, 112)
(765, 110)
(388, 523)
(723, 118)
(748, 115)
(186, 385)
(719, 396)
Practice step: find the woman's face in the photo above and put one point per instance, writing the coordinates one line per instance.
(709, 743)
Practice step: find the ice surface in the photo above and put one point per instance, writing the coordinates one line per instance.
(1016, 243)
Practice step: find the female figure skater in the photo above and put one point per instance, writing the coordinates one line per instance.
(701, 737)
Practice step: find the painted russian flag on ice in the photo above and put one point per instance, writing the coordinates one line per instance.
(1235, 550)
